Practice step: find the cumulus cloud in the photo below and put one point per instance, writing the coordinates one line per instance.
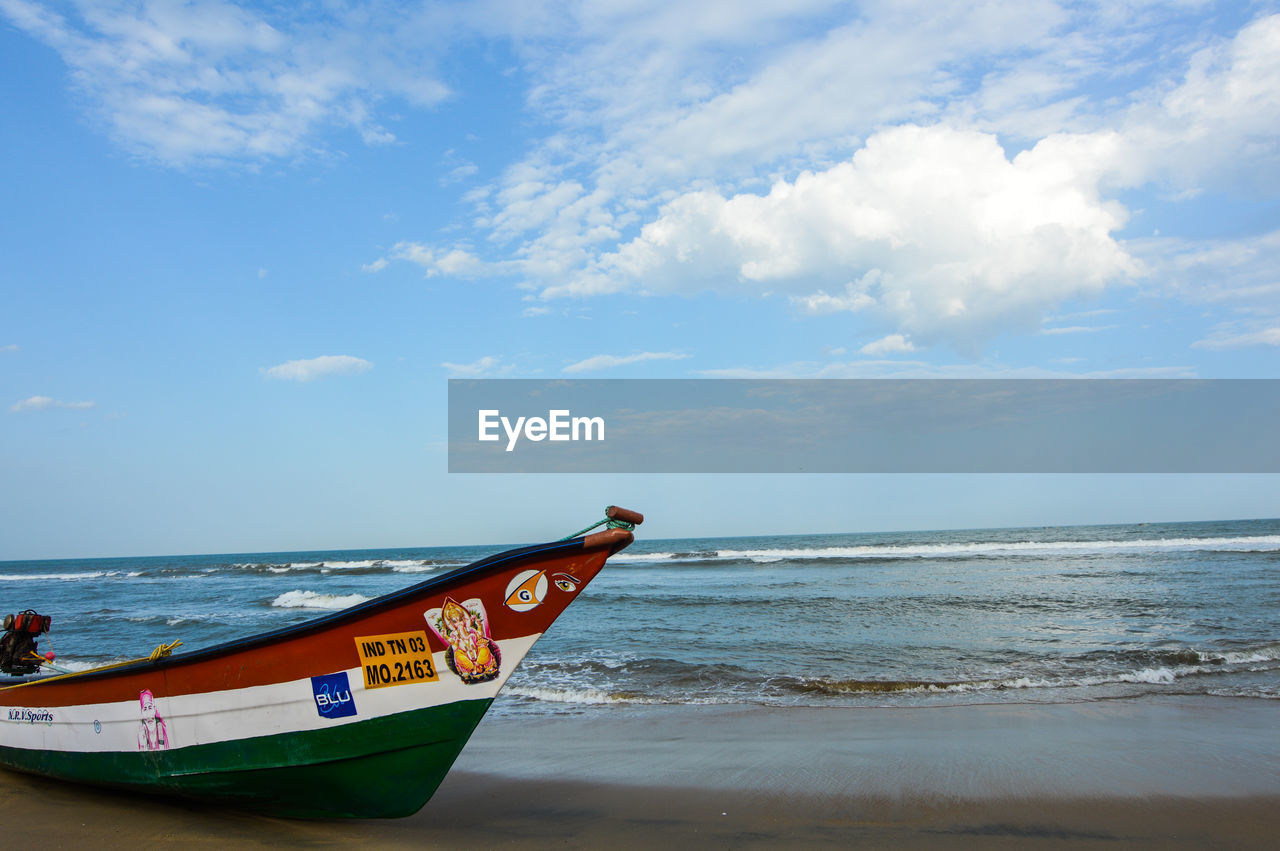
(321, 367)
(599, 362)
(933, 228)
(40, 403)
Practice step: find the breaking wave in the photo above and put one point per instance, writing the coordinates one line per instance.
(312, 600)
(68, 577)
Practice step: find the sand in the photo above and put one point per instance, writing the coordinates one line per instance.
(1179, 772)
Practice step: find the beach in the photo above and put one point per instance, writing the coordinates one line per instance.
(1108, 686)
(1157, 771)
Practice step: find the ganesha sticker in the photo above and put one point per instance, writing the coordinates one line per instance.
(472, 654)
(526, 590)
(152, 733)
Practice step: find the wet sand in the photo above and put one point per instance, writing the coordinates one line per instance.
(1157, 773)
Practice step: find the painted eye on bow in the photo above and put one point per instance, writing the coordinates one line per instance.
(565, 582)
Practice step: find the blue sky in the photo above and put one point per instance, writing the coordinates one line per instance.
(242, 247)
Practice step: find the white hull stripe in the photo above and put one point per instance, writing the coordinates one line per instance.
(224, 716)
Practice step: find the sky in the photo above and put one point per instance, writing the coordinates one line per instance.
(244, 246)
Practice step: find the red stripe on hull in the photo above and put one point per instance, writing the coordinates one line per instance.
(327, 644)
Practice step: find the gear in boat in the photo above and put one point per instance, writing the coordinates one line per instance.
(18, 654)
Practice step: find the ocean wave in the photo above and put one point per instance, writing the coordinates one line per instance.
(68, 577)
(416, 565)
(421, 567)
(1255, 544)
(652, 680)
(311, 600)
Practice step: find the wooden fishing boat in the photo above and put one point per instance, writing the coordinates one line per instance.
(355, 714)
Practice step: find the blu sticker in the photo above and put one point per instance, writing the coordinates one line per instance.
(333, 695)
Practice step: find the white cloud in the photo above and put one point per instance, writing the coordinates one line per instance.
(211, 81)
(40, 403)
(922, 369)
(459, 173)
(313, 368)
(664, 125)
(376, 266)
(1210, 271)
(1218, 127)
(940, 232)
(853, 299)
(456, 262)
(485, 366)
(1076, 329)
(888, 345)
(670, 128)
(599, 362)
(12, 347)
(1234, 335)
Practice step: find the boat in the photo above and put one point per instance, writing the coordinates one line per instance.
(357, 714)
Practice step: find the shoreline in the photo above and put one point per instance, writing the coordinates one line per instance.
(1151, 772)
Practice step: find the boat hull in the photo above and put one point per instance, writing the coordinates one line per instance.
(356, 714)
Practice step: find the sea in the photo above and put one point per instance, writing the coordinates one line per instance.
(1028, 615)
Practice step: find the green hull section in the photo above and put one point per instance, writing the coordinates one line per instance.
(381, 768)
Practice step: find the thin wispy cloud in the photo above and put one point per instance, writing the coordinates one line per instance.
(487, 366)
(601, 362)
(888, 345)
(320, 367)
(12, 347)
(43, 403)
(214, 82)
(1239, 336)
(923, 369)
(1076, 329)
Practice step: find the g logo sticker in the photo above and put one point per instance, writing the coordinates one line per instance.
(526, 590)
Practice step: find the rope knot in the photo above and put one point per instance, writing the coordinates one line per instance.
(164, 650)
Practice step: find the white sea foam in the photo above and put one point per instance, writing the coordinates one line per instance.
(1255, 543)
(574, 695)
(312, 600)
(75, 665)
(1266, 654)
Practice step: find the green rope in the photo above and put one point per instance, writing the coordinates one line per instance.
(610, 523)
